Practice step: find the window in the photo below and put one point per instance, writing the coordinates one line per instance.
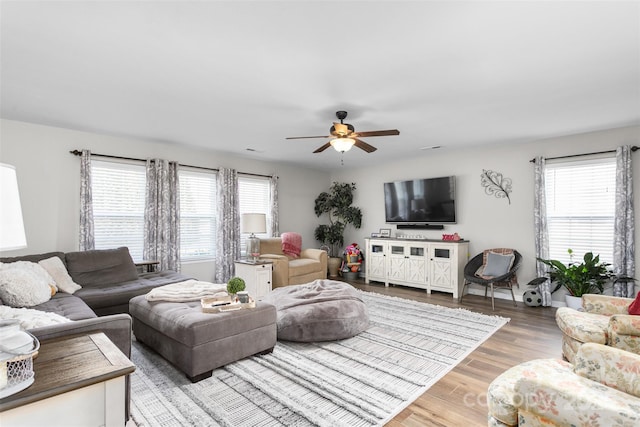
(197, 214)
(253, 198)
(118, 191)
(119, 202)
(581, 208)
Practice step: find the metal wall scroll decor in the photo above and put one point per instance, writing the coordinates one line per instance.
(494, 183)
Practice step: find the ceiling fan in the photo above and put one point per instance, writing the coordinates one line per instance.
(345, 136)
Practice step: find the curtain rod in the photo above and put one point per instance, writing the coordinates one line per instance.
(109, 156)
(634, 148)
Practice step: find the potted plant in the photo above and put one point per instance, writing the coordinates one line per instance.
(235, 285)
(587, 277)
(337, 204)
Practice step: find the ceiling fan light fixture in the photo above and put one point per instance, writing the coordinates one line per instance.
(342, 144)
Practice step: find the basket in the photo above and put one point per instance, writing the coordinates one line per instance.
(18, 370)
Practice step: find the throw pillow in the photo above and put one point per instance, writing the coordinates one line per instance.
(30, 318)
(634, 307)
(291, 244)
(497, 265)
(58, 271)
(24, 284)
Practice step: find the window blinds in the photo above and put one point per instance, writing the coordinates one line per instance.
(581, 208)
(118, 191)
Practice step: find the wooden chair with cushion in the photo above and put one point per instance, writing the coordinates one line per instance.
(493, 268)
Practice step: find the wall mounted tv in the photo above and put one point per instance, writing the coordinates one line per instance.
(421, 201)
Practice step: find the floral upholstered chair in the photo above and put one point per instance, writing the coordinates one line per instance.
(605, 320)
(601, 388)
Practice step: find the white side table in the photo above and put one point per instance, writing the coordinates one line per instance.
(257, 277)
(79, 380)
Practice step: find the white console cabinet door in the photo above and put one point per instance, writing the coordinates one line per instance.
(257, 278)
(375, 266)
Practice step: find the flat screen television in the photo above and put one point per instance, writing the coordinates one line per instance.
(421, 201)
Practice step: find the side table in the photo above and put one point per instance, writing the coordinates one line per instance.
(147, 266)
(79, 380)
(257, 277)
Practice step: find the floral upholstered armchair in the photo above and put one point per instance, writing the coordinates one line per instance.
(605, 320)
(601, 388)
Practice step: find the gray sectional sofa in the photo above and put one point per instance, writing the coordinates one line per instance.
(109, 279)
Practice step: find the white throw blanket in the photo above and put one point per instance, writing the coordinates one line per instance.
(189, 290)
(31, 318)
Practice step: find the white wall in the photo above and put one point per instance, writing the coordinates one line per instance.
(48, 178)
(484, 220)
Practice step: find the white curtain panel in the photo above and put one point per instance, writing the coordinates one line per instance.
(227, 224)
(624, 226)
(86, 235)
(541, 234)
(162, 214)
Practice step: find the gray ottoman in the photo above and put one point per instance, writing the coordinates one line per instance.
(197, 342)
(323, 310)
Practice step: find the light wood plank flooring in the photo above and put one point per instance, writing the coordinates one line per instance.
(459, 398)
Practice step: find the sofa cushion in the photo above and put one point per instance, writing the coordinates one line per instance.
(291, 244)
(101, 296)
(101, 267)
(69, 306)
(581, 326)
(24, 284)
(302, 266)
(634, 307)
(35, 258)
(58, 272)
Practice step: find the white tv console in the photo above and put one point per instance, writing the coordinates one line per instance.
(433, 265)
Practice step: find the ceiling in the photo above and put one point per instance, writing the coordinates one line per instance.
(233, 76)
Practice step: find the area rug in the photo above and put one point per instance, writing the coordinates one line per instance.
(361, 381)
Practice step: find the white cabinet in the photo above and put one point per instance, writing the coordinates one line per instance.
(432, 265)
(408, 263)
(257, 277)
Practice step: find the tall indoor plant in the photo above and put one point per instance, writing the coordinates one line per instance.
(337, 204)
(586, 277)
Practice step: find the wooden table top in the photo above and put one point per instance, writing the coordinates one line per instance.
(69, 363)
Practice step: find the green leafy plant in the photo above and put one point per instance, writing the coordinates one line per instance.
(587, 277)
(337, 204)
(235, 285)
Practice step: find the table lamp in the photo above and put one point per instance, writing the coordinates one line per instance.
(253, 223)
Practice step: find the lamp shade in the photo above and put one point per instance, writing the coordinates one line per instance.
(342, 144)
(11, 225)
(254, 223)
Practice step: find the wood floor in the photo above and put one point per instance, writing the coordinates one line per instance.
(459, 398)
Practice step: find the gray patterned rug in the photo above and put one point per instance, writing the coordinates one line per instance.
(361, 381)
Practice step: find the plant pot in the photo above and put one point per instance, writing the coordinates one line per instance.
(573, 302)
(350, 275)
(334, 266)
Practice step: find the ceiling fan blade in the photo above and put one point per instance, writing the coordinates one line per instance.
(306, 137)
(324, 147)
(364, 146)
(341, 129)
(389, 132)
